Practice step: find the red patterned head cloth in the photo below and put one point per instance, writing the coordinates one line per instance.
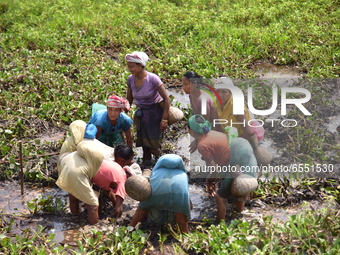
(118, 102)
(139, 57)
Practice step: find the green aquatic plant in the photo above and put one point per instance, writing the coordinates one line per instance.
(30, 242)
(46, 204)
(58, 59)
(311, 231)
(120, 241)
(69, 57)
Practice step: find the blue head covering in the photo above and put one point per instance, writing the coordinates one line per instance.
(169, 186)
(170, 161)
(90, 131)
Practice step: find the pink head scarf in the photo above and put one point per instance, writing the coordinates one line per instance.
(118, 102)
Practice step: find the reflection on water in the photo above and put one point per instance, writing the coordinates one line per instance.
(182, 148)
(67, 227)
(268, 143)
(202, 203)
(179, 96)
(283, 75)
(53, 137)
(334, 124)
(13, 202)
(281, 215)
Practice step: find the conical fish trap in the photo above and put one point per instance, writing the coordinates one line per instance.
(138, 187)
(175, 115)
(147, 173)
(262, 155)
(243, 185)
(253, 141)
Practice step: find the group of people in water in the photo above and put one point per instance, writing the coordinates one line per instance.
(100, 151)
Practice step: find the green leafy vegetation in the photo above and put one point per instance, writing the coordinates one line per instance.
(308, 233)
(311, 232)
(48, 204)
(120, 241)
(59, 58)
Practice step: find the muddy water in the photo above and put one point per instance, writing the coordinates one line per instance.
(280, 215)
(67, 228)
(52, 137)
(283, 75)
(334, 124)
(179, 97)
(13, 203)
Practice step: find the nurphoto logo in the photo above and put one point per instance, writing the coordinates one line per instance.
(225, 83)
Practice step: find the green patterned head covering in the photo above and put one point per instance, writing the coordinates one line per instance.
(199, 124)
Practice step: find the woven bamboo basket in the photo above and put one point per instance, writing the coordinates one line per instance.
(175, 115)
(243, 185)
(262, 155)
(253, 141)
(138, 186)
(147, 173)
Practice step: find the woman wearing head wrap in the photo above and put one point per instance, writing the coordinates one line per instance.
(242, 158)
(153, 103)
(216, 152)
(169, 201)
(77, 131)
(112, 121)
(79, 169)
(225, 112)
(212, 145)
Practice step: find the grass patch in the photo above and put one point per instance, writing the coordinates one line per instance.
(306, 233)
(310, 232)
(59, 58)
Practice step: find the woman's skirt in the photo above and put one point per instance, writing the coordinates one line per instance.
(147, 120)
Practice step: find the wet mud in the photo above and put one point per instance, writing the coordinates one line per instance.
(290, 197)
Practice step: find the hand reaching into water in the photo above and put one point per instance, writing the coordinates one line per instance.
(193, 146)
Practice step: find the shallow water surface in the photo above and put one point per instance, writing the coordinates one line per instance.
(283, 75)
(68, 228)
(334, 124)
(179, 97)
